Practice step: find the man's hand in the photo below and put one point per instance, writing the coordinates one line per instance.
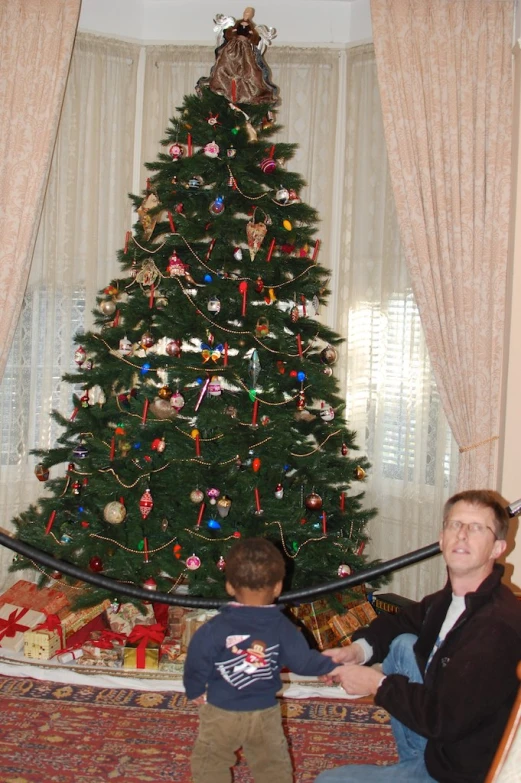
(353, 653)
(357, 680)
(199, 699)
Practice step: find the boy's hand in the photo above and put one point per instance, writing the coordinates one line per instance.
(353, 653)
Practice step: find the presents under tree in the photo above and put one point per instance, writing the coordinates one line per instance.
(14, 622)
(316, 616)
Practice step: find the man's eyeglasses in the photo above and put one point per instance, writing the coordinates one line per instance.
(473, 528)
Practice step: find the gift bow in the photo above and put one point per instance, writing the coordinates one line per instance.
(108, 640)
(52, 623)
(143, 634)
(10, 627)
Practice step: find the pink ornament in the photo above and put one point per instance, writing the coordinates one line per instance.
(211, 149)
(221, 563)
(193, 563)
(213, 493)
(146, 503)
(268, 165)
(80, 355)
(176, 151)
(177, 401)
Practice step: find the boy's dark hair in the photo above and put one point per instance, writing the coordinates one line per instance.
(255, 563)
(487, 498)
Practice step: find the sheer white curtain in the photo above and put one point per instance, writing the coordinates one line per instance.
(330, 107)
(84, 219)
(393, 403)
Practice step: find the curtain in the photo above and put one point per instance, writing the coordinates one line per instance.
(392, 400)
(84, 219)
(36, 38)
(444, 68)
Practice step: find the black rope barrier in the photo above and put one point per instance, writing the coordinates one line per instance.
(142, 594)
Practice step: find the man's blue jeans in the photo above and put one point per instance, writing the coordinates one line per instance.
(410, 746)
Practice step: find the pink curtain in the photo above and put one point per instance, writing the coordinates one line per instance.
(36, 40)
(445, 73)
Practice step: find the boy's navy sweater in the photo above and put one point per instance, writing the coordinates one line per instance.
(236, 657)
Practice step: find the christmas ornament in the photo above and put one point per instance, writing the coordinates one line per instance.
(177, 401)
(146, 503)
(213, 524)
(175, 268)
(327, 413)
(213, 119)
(173, 347)
(223, 506)
(231, 411)
(193, 562)
(80, 452)
(301, 401)
(176, 549)
(213, 493)
(256, 465)
(344, 570)
(313, 501)
(150, 584)
(114, 513)
(125, 346)
(237, 254)
(159, 445)
(196, 496)
(76, 488)
(255, 233)
(165, 392)
(214, 387)
(360, 473)
(176, 151)
(96, 564)
(344, 450)
(255, 367)
(80, 355)
(279, 492)
(41, 472)
(148, 273)
(231, 152)
(294, 314)
(262, 327)
(162, 409)
(108, 307)
(147, 221)
(211, 149)
(147, 341)
(268, 165)
(221, 564)
(281, 196)
(164, 525)
(194, 183)
(217, 206)
(259, 285)
(115, 605)
(328, 355)
(214, 304)
(287, 225)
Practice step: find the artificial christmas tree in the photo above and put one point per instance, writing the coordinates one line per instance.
(205, 404)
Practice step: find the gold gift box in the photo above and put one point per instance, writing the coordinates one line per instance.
(151, 656)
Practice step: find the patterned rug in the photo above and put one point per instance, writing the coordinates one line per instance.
(54, 733)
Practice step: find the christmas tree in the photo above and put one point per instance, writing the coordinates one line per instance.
(205, 405)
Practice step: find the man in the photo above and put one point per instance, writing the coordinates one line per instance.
(448, 677)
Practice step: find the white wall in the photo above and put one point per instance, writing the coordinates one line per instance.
(191, 21)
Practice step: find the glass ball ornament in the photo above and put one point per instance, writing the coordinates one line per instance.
(313, 501)
(193, 562)
(80, 355)
(360, 473)
(237, 254)
(221, 564)
(214, 304)
(80, 452)
(125, 346)
(211, 150)
(165, 392)
(147, 340)
(177, 401)
(217, 206)
(279, 491)
(96, 564)
(344, 570)
(268, 165)
(41, 472)
(328, 355)
(108, 307)
(282, 196)
(173, 347)
(327, 413)
(114, 512)
(150, 584)
(176, 151)
(197, 496)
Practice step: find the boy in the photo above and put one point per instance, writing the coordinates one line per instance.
(233, 668)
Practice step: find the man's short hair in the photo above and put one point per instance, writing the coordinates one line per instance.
(254, 563)
(486, 498)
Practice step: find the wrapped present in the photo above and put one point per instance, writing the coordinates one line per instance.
(14, 622)
(44, 640)
(174, 667)
(111, 659)
(170, 649)
(30, 596)
(345, 625)
(72, 620)
(102, 641)
(128, 615)
(191, 622)
(176, 620)
(141, 651)
(316, 616)
(390, 602)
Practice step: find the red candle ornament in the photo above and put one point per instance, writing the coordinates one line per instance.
(145, 411)
(255, 413)
(211, 247)
(112, 448)
(324, 522)
(200, 515)
(299, 344)
(115, 322)
(316, 249)
(171, 221)
(74, 414)
(342, 501)
(127, 240)
(225, 362)
(151, 296)
(257, 500)
(243, 289)
(189, 144)
(50, 523)
(271, 249)
(197, 445)
(146, 558)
